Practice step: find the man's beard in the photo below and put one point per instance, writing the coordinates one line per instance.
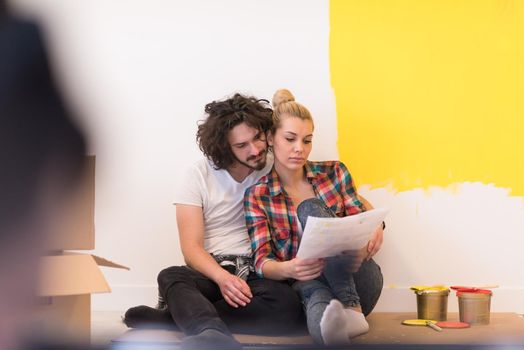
(258, 166)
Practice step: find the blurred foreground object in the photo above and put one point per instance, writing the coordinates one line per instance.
(41, 163)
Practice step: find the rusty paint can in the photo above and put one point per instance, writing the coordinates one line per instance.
(432, 304)
(474, 306)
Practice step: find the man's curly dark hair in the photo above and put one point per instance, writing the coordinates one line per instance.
(212, 134)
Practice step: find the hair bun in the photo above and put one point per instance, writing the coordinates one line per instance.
(282, 96)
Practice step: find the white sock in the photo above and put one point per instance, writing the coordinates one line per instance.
(334, 325)
(357, 323)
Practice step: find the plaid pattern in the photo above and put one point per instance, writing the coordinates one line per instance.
(270, 214)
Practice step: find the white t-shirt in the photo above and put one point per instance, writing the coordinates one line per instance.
(222, 200)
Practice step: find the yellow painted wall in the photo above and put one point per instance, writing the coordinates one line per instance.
(430, 92)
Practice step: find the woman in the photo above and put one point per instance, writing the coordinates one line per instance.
(276, 210)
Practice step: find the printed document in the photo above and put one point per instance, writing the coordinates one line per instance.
(325, 237)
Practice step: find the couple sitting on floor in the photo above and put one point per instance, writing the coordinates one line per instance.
(240, 214)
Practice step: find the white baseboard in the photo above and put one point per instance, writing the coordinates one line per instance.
(391, 300)
(123, 297)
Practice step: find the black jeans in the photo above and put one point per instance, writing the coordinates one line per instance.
(196, 304)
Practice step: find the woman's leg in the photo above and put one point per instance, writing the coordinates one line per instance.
(340, 280)
(368, 279)
(313, 207)
(339, 320)
(337, 272)
(369, 282)
(315, 296)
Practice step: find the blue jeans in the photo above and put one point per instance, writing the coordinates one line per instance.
(336, 281)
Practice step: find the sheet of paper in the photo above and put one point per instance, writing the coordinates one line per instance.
(325, 237)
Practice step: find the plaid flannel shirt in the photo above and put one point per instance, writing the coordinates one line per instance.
(270, 214)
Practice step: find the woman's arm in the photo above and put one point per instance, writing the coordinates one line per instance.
(364, 202)
(350, 194)
(299, 269)
(266, 264)
(377, 238)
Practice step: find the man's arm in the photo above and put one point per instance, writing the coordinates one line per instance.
(190, 222)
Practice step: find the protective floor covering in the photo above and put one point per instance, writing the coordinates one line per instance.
(385, 329)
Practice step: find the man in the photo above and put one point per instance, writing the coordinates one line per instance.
(218, 292)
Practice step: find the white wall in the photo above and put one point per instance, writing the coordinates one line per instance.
(140, 73)
(466, 234)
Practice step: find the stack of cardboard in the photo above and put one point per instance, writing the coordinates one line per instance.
(67, 279)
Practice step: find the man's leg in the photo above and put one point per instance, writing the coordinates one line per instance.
(274, 309)
(190, 297)
(369, 282)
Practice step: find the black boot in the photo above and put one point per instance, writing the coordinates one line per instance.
(147, 317)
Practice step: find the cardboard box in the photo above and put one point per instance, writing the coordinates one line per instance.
(66, 283)
(67, 279)
(76, 230)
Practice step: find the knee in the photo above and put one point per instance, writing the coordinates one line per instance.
(371, 271)
(170, 275)
(313, 207)
(369, 283)
(162, 275)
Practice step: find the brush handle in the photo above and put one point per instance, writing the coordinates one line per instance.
(489, 286)
(433, 326)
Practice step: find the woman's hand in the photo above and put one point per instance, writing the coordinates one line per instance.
(236, 291)
(304, 269)
(375, 242)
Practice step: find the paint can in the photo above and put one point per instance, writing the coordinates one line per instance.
(474, 306)
(432, 303)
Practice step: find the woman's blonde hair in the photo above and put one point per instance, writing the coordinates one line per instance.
(284, 104)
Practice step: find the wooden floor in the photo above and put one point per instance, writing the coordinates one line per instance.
(385, 329)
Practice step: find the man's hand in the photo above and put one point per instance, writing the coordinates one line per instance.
(235, 290)
(375, 242)
(304, 269)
